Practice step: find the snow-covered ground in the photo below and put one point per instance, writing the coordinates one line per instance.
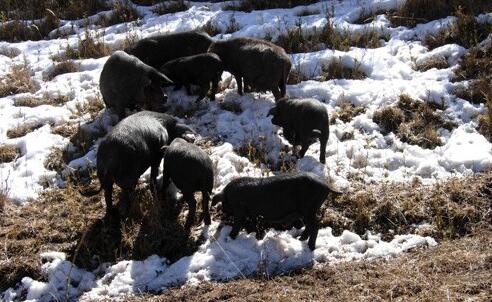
(389, 74)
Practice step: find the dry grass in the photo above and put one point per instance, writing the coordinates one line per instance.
(465, 31)
(17, 81)
(210, 28)
(54, 161)
(438, 62)
(477, 92)
(31, 101)
(23, 129)
(8, 153)
(92, 106)
(250, 5)
(413, 12)
(91, 46)
(123, 12)
(67, 66)
(414, 122)
(69, 9)
(456, 270)
(232, 26)
(256, 153)
(170, 7)
(453, 209)
(10, 52)
(335, 69)
(476, 64)
(485, 119)
(65, 130)
(347, 111)
(297, 41)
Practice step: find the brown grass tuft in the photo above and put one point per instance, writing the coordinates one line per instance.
(485, 120)
(465, 31)
(10, 52)
(438, 62)
(123, 11)
(335, 69)
(61, 68)
(478, 91)
(92, 106)
(211, 29)
(17, 81)
(65, 130)
(8, 153)
(414, 122)
(31, 101)
(91, 46)
(23, 129)
(170, 7)
(476, 64)
(347, 111)
(54, 161)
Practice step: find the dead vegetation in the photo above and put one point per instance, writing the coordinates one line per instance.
(170, 7)
(346, 111)
(335, 69)
(476, 64)
(308, 12)
(457, 270)
(413, 12)
(70, 9)
(31, 101)
(92, 106)
(54, 161)
(452, 209)
(17, 81)
(90, 46)
(465, 31)
(414, 122)
(297, 40)
(8, 153)
(250, 5)
(23, 129)
(10, 52)
(438, 62)
(123, 11)
(67, 66)
(211, 29)
(16, 30)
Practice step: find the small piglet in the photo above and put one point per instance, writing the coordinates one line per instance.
(191, 170)
(129, 149)
(303, 121)
(197, 70)
(277, 199)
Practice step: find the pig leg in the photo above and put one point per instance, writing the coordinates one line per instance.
(304, 148)
(239, 218)
(190, 199)
(239, 81)
(283, 88)
(322, 152)
(215, 87)
(154, 170)
(188, 89)
(108, 197)
(276, 93)
(205, 207)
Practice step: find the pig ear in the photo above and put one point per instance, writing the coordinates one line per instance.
(160, 78)
(272, 111)
(334, 190)
(164, 150)
(217, 198)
